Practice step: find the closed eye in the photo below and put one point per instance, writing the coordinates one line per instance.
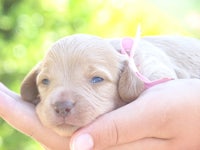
(96, 79)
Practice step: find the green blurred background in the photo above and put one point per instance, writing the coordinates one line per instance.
(28, 27)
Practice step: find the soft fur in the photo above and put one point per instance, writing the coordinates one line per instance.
(72, 62)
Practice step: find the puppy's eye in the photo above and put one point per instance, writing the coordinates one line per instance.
(45, 81)
(96, 79)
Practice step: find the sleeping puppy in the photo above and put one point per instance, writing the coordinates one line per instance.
(83, 76)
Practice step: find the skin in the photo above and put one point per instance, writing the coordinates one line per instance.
(164, 117)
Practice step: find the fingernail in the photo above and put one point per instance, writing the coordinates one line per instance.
(83, 142)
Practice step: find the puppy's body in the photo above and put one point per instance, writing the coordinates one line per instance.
(179, 54)
(183, 52)
(83, 76)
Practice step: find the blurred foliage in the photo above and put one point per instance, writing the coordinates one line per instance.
(28, 27)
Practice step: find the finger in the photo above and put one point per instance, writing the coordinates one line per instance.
(160, 144)
(151, 115)
(110, 130)
(4, 89)
(146, 144)
(21, 115)
(12, 110)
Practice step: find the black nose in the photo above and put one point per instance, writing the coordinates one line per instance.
(62, 108)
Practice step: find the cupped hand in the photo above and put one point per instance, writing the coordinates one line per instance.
(164, 117)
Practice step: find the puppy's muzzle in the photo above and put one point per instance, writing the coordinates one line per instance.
(62, 108)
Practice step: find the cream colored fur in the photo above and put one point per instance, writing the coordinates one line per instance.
(73, 61)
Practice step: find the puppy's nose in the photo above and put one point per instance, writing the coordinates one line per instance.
(62, 108)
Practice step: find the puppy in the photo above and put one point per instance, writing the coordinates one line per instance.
(83, 76)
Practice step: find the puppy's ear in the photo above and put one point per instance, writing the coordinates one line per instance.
(29, 90)
(129, 86)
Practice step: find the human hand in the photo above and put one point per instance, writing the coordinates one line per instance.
(21, 115)
(164, 117)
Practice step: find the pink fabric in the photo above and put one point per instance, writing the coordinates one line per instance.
(149, 83)
(128, 47)
(127, 44)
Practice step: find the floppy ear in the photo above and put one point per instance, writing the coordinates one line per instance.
(29, 90)
(129, 86)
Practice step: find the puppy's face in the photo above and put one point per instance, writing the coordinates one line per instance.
(75, 83)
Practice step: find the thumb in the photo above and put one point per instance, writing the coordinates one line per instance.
(126, 124)
(98, 135)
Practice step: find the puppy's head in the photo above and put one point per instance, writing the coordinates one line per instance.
(80, 78)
